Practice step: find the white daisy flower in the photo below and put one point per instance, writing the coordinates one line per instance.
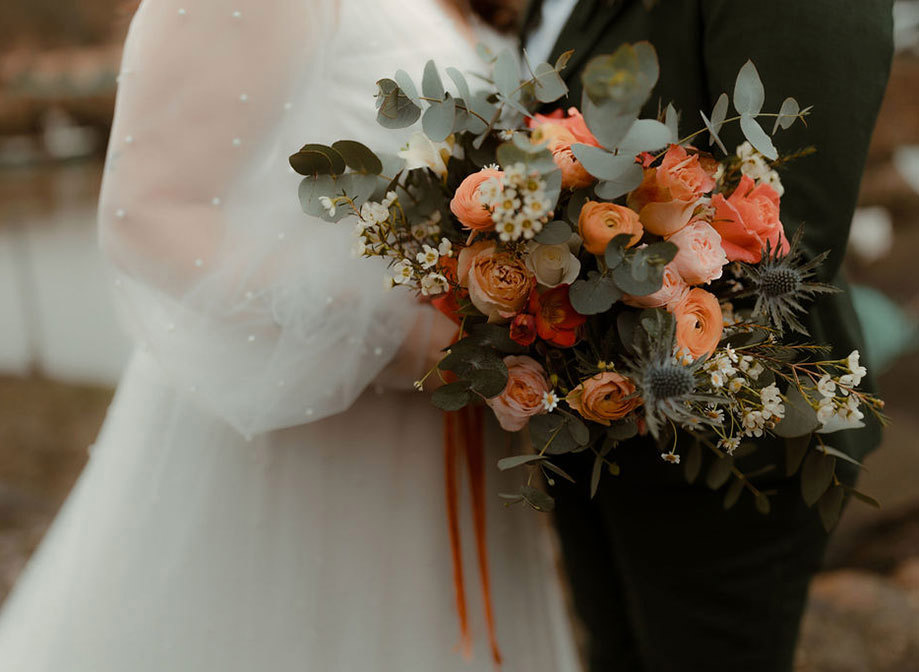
(550, 401)
(729, 445)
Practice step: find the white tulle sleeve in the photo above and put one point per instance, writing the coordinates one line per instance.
(255, 308)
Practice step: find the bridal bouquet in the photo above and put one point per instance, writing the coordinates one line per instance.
(609, 277)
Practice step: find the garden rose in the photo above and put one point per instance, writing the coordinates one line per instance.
(523, 394)
(699, 323)
(560, 139)
(700, 258)
(498, 282)
(684, 176)
(467, 203)
(747, 219)
(599, 223)
(605, 397)
(557, 322)
(673, 290)
(553, 265)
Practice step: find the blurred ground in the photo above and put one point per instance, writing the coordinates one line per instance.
(864, 609)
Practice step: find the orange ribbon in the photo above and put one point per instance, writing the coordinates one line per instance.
(464, 437)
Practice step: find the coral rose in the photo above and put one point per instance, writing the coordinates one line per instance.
(557, 322)
(523, 394)
(684, 176)
(747, 220)
(498, 281)
(599, 223)
(467, 202)
(604, 398)
(574, 122)
(560, 139)
(673, 290)
(700, 258)
(698, 323)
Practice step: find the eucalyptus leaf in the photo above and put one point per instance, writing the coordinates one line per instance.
(828, 450)
(537, 499)
(404, 80)
(795, 450)
(600, 163)
(549, 86)
(549, 434)
(439, 118)
(507, 74)
(575, 204)
(788, 114)
(800, 418)
(713, 134)
(431, 84)
(758, 138)
(462, 86)
(816, 476)
(309, 160)
(595, 474)
(495, 337)
(629, 181)
(594, 295)
(720, 112)
(311, 189)
(452, 397)
(645, 135)
(554, 233)
(607, 122)
(763, 505)
(562, 61)
(396, 110)
(830, 507)
(749, 94)
(622, 430)
(557, 470)
(672, 120)
(358, 157)
(578, 431)
(518, 460)
(616, 250)
(861, 496)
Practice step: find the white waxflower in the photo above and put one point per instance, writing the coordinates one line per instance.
(507, 205)
(421, 152)
(753, 423)
(516, 174)
(434, 283)
(826, 410)
(537, 208)
(445, 249)
(855, 369)
(731, 354)
(506, 134)
(508, 230)
(549, 401)
(729, 445)
(403, 272)
(375, 213)
(528, 226)
(328, 204)
(428, 256)
(826, 387)
(755, 371)
(420, 231)
(723, 364)
(391, 197)
(359, 248)
(770, 396)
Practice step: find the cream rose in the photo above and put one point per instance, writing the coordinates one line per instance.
(523, 395)
(553, 265)
(701, 258)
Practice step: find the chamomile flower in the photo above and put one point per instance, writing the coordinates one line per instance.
(672, 458)
(550, 401)
(717, 379)
(729, 445)
(736, 384)
(508, 230)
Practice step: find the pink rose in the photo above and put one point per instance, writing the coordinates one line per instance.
(673, 290)
(700, 258)
(522, 397)
(747, 219)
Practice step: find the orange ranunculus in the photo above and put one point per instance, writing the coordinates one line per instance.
(467, 204)
(747, 219)
(604, 398)
(560, 139)
(499, 282)
(599, 223)
(668, 194)
(699, 323)
(557, 322)
(522, 397)
(574, 122)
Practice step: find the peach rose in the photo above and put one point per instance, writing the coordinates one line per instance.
(673, 290)
(499, 283)
(523, 394)
(467, 203)
(700, 258)
(698, 323)
(560, 139)
(747, 219)
(605, 397)
(669, 194)
(599, 223)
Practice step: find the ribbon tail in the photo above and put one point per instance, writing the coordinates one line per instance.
(472, 436)
(452, 494)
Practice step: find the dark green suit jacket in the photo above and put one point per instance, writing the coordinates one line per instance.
(802, 48)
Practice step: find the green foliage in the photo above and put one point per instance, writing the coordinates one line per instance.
(557, 433)
(642, 271)
(601, 163)
(396, 109)
(453, 396)
(800, 418)
(554, 233)
(537, 499)
(515, 461)
(481, 367)
(549, 85)
(315, 159)
(629, 180)
(692, 465)
(623, 79)
(816, 475)
(595, 294)
(439, 118)
(358, 157)
(733, 493)
(719, 472)
(830, 505)
(795, 450)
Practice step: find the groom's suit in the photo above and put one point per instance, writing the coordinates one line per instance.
(663, 578)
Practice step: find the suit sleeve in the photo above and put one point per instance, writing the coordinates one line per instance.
(830, 54)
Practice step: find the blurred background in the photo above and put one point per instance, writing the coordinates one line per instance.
(61, 350)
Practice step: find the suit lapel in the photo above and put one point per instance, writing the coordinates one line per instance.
(584, 28)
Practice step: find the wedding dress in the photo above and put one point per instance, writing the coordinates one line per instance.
(248, 505)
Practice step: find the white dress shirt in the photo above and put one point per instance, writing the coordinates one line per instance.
(555, 14)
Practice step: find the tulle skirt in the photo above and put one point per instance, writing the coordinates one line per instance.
(324, 548)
